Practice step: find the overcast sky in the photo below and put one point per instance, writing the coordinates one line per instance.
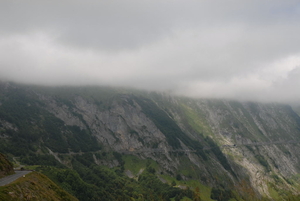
(247, 50)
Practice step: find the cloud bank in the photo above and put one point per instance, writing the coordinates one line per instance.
(247, 50)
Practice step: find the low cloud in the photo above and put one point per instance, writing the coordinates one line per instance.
(236, 50)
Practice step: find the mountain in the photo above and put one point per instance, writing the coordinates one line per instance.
(219, 149)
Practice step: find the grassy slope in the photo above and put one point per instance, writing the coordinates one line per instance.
(135, 164)
(204, 191)
(35, 186)
(196, 120)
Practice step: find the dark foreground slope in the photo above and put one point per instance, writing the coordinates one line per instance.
(230, 149)
(34, 186)
(6, 168)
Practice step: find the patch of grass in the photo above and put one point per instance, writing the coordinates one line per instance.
(187, 168)
(204, 191)
(168, 178)
(196, 120)
(134, 164)
(273, 192)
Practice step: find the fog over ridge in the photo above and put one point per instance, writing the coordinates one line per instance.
(246, 50)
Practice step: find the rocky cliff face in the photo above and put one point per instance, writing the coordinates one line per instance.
(261, 138)
(219, 142)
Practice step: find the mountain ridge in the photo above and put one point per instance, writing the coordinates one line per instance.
(228, 144)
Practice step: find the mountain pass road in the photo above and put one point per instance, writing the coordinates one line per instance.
(10, 178)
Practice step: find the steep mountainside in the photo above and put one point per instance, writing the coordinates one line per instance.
(6, 168)
(245, 150)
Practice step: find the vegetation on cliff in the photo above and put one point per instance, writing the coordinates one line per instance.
(100, 183)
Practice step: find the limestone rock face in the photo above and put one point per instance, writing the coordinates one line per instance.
(124, 127)
(262, 138)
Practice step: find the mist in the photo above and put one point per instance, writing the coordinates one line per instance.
(244, 50)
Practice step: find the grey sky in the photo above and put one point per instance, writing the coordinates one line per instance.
(223, 49)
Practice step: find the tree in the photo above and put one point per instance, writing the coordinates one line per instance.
(196, 196)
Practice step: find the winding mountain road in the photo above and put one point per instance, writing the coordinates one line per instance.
(157, 150)
(209, 148)
(10, 178)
